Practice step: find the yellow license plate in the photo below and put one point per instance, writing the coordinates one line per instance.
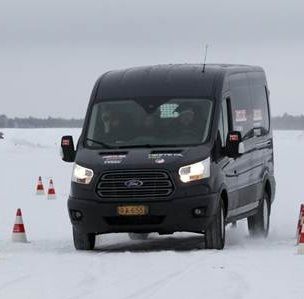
(132, 210)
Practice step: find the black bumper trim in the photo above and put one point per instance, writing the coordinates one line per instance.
(175, 215)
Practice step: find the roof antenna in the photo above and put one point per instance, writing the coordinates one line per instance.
(206, 51)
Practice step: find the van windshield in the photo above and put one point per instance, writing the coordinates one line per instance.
(148, 122)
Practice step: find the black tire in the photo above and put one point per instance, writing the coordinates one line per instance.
(83, 241)
(136, 237)
(258, 224)
(215, 233)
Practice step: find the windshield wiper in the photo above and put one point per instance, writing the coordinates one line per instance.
(105, 145)
(147, 145)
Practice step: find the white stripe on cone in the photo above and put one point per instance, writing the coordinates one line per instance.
(19, 220)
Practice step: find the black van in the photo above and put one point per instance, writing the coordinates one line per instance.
(173, 148)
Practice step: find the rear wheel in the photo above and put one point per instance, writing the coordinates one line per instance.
(258, 224)
(83, 241)
(136, 236)
(215, 233)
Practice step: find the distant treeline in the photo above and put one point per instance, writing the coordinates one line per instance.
(33, 122)
(288, 122)
(284, 122)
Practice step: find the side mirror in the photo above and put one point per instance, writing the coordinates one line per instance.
(234, 145)
(68, 152)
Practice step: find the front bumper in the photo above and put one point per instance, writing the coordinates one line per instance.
(164, 216)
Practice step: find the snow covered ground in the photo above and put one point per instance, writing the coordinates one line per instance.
(161, 267)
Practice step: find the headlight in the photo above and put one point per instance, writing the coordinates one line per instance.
(194, 172)
(82, 175)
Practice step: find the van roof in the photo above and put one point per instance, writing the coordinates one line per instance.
(172, 80)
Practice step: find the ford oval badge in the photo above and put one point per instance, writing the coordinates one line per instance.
(159, 160)
(133, 183)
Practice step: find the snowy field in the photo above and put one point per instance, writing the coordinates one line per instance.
(161, 267)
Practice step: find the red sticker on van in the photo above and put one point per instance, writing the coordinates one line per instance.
(65, 142)
(234, 137)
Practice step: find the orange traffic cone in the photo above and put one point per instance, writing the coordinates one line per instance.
(40, 188)
(300, 223)
(18, 230)
(301, 241)
(51, 191)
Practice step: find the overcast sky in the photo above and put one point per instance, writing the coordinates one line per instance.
(52, 51)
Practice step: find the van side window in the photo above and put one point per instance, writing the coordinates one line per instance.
(260, 108)
(241, 108)
(223, 123)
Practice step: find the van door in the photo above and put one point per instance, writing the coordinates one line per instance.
(262, 150)
(227, 164)
(242, 120)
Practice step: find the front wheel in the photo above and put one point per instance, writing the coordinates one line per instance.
(215, 233)
(83, 241)
(258, 224)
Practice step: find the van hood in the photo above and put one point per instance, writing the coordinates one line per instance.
(141, 158)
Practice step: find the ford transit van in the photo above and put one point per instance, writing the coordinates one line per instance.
(173, 148)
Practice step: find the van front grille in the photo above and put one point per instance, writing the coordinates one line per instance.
(135, 184)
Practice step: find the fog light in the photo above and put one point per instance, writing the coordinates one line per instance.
(199, 212)
(76, 215)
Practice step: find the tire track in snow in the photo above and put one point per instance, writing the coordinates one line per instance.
(13, 281)
(239, 286)
(149, 290)
(171, 244)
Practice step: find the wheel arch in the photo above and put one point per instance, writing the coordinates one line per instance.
(267, 188)
(267, 185)
(224, 196)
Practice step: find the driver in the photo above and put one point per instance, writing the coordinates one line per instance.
(186, 117)
(112, 126)
(187, 125)
(111, 121)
